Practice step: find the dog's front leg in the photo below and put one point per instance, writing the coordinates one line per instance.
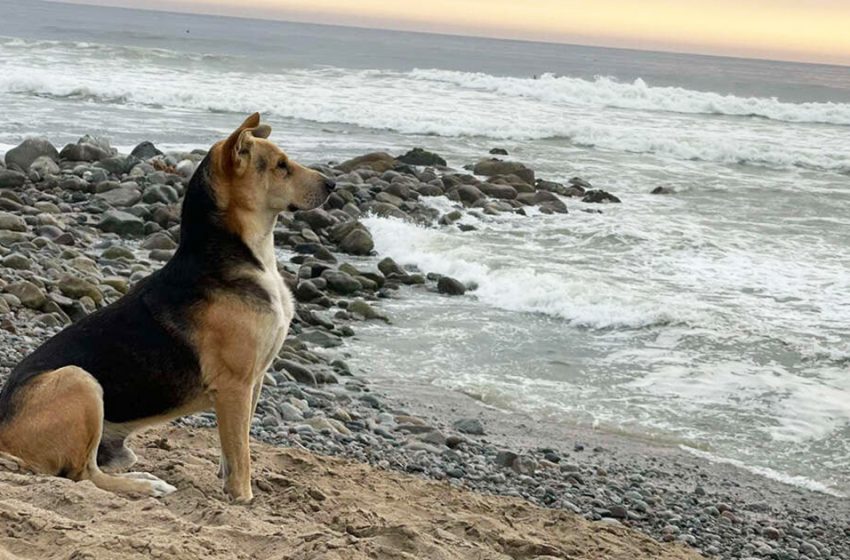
(233, 410)
(223, 468)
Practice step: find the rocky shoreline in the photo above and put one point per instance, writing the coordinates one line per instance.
(79, 226)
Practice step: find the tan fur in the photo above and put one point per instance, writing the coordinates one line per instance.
(61, 429)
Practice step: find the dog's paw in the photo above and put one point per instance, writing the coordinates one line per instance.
(160, 488)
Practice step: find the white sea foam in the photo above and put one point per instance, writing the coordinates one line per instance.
(514, 287)
(448, 104)
(799, 481)
(608, 92)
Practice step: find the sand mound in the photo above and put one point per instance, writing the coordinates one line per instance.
(305, 507)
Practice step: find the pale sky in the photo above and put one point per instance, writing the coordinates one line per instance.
(804, 30)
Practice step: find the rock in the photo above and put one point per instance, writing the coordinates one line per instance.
(289, 412)
(74, 184)
(44, 166)
(450, 286)
(498, 152)
(159, 240)
(28, 293)
(11, 222)
(84, 152)
(387, 266)
(118, 252)
(506, 459)
(298, 372)
(122, 223)
(469, 194)
(662, 190)
(358, 242)
(77, 288)
(117, 165)
(506, 192)
(145, 150)
(366, 311)
(470, 426)
(524, 465)
(11, 179)
(493, 167)
(320, 338)
(307, 291)
(25, 153)
(316, 218)
(164, 194)
(376, 161)
(618, 512)
(121, 197)
(599, 196)
(341, 282)
(17, 261)
(418, 156)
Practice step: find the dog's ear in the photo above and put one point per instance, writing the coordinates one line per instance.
(237, 147)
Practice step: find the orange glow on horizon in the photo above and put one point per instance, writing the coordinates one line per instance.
(815, 31)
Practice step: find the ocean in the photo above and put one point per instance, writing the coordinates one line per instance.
(716, 318)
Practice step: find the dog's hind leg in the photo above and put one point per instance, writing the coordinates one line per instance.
(56, 429)
(112, 453)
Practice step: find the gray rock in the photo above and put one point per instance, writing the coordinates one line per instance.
(84, 152)
(121, 197)
(469, 194)
(316, 218)
(11, 222)
(164, 194)
(117, 165)
(470, 426)
(11, 179)
(599, 196)
(28, 293)
(493, 167)
(77, 288)
(505, 459)
(25, 153)
(44, 166)
(289, 412)
(498, 152)
(506, 192)
(17, 261)
(450, 286)
(320, 338)
(387, 266)
(122, 223)
(145, 150)
(366, 311)
(418, 156)
(159, 240)
(341, 282)
(358, 242)
(376, 161)
(298, 372)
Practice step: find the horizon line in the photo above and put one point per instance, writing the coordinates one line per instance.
(448, 33)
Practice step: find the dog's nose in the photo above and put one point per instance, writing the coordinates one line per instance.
(330, 184)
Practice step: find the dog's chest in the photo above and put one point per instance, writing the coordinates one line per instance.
(273, 324)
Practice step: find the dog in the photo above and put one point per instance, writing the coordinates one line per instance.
(196, 335)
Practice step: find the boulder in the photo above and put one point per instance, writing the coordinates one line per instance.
(44, 166)
(76, 288)
(11, 179)
(471, 426)
(22, 155)
(469, 194)
(341, 282)
(450, 286)
(357, 242)
(121, 197)
(122, 223)
(117, 165)
(418, 156)
(493, 167)
(164, 194)
(316, 218)
(360, 307)
(30, 295)
(492, 190)
(11, 222)
(498, 152)
(83, 152)
(376, 161)
(662, 190)
(145, 150)
(600, 197)
(387, 266)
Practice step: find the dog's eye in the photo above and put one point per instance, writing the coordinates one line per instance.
(283, 165)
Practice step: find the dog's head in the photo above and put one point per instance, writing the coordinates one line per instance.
(255, 175)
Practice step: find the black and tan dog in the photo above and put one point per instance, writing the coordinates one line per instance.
(198, 334)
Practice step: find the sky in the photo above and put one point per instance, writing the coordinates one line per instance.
(801, 30)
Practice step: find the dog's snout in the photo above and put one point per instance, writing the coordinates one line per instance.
(330, 184)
